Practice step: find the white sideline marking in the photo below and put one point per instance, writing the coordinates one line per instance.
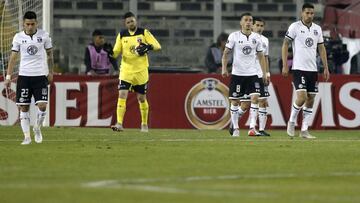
(190, 140)
(109, 183)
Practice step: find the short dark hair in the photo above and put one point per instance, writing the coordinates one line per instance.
(221, 38)
(97, 33)
(128, 15)
(29, 15)
(258, 19)
(307, 5)
(245, 14)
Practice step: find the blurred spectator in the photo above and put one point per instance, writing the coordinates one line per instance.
(97, 56)
(214, 54)
(337, 55)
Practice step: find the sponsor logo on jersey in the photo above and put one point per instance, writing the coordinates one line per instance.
(247, 50)
(309, 42)
(206, 105)
(32, 50)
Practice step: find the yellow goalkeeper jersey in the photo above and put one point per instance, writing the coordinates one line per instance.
(125, 44)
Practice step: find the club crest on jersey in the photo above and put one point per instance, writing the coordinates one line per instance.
(44, 91)
(32, 50)
(254, 41)
(39, 39)
(206, 104)
(246, 50)
(316, 32)
(309, 42)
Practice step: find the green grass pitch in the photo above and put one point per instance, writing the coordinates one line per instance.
(86, 165)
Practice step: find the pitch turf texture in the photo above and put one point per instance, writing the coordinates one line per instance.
(86, 165)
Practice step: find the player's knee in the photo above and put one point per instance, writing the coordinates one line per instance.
(42, 106)
(262, 103)
(24, 108)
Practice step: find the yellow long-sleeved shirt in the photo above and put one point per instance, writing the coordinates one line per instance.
(125, 44)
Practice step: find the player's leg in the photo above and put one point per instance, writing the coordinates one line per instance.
(141, 86)
(263, 103)
(253, 89)
(40, 90)
(301, 95)
(144, 111)
(235, 110)
(308, 106)
(23, 100)
(124, 87)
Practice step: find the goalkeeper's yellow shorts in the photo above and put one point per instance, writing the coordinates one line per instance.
(138, 78)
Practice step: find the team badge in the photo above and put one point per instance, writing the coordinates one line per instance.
(316, 32)
(44, 91)
(254, 41)
(309, 42)
(39, 39)
(246, 50)
(32, 50)
(206, 105)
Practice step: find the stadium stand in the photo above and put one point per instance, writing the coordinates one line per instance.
(182, 26)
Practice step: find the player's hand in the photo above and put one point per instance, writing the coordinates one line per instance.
(326, 74)
(224, 72)
(143, 48)
(285, 71)
(266, 79)
(50, 77)
(7, 83)
(109, 49)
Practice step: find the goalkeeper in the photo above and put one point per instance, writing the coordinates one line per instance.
(133, 44)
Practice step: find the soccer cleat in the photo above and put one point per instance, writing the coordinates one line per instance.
(306, 135)
(26, 141)
(38, 135)
(236, 133)
(291, 129)
(144, 128)
(117, 127)
(253, 132)
(263, 133)
(231, 129)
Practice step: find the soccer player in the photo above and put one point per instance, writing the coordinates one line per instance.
(306, 37)
(133, 44)
(258, 27)
(35, 72)
(244, 85)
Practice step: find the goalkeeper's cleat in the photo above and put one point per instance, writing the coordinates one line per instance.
(263, 133)
(37, 134)
(305, 134)
(291, 129)
(117, 127)
(26, 141)
(231, 129)
(253, 132)
(144, 128)
(236, 133)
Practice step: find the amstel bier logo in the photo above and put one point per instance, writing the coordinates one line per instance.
(207, 106)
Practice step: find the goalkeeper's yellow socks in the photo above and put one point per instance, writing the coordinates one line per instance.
(144, 110)
(120, 110)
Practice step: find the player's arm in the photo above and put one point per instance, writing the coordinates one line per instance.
(117, 47)
(284, 56)
(11, 64)
(151, 40)
(267, 68)
(322, 52)
(224, 62)
(262, 61)
(50, 62)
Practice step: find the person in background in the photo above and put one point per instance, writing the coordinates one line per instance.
(214, 54)
(97, 56)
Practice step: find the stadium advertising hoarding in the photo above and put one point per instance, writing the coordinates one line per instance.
(189, 101)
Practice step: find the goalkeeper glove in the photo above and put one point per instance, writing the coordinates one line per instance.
(109, 49)
(143, 48)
